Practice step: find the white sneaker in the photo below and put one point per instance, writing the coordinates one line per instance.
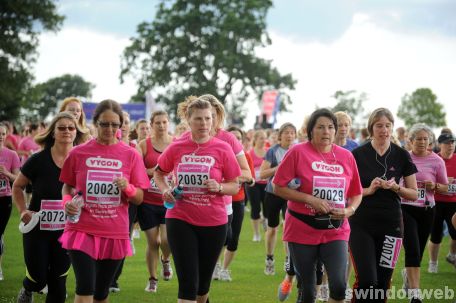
(433, 267)
(256, 238)
(133, 248)
(216, 273)
(167, 270)
(451, 259)
(225, 275)
(152, 285)
(323, 294)
(136, 234)
(1, 275)
(269, 269)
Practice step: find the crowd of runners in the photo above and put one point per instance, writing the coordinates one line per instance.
(82, 189)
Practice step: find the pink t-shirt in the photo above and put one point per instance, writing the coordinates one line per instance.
(237, 148)
(432, 168)
(28, 144)
(192, 164)
(257, 161)
(90, 168)
(331, 176)
(152, 195)
(10, 160)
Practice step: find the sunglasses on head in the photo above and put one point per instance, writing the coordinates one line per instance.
(107, 124)
(64, 128)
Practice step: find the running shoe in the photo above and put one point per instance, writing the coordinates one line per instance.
(216, 273)
(269, 267)
(433, 267)
(284, 290)
(451, 259)
(1, 275)
(152, 285)
(323, 294)
(167, 270)
(114, 287)
(25, 296)
(225, 275)
(136, 234)
(405, 285)
(44, 291)
(256, 238)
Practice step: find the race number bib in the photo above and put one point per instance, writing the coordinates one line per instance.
(331, 189)
(192, 176)
(52, 215)
(421, 201)
(390, 251)
(5, 189)
(452, 188)
(153, 188)
(100, 189)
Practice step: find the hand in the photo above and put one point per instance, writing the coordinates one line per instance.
(2, 169)
(168, 195)
(26, 216)
(71, 209)
(389, 184)
(121, 183)
(341, 213)
(321, 206)
(376, 183)
(429, 185)
(212, 185)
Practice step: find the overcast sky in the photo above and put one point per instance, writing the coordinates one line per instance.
(384, 48)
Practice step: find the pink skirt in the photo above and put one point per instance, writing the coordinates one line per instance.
(98, 248)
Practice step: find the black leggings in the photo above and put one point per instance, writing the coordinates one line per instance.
(232, 240)
(93, 277)
(5, 213)
(333, 255)
(256, 196)
(195, 251)
(47, 263)
(444, 211)
(417, 226)
(275, 204)
(367, 245)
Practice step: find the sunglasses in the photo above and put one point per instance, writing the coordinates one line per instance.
(64, 128)
(107, 124)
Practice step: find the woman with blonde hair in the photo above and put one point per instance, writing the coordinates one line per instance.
(74, 106)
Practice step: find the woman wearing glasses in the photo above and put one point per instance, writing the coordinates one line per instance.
(46, 262)
(110, 175)
(376, 228)
(316, 227)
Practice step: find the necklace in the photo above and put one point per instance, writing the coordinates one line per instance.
(385, 166)
(323, 157)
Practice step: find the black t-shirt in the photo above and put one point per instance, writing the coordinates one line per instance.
(44, 175)
(398, 164)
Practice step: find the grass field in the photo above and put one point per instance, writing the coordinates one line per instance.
(249, 283)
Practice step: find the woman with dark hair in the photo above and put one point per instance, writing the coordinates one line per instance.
(197, 224)
(377, 228)
(109, 175)
(46, 261)
(316, 226)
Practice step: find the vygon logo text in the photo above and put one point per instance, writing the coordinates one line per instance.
(103, 163)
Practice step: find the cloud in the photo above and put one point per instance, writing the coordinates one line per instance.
(367, 58)
(94, 56)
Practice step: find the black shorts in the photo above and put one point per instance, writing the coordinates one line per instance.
(150, 216)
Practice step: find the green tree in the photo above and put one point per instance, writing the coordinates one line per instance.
(21, 22)
(351, 102)
(193, 47)
(422, 107)
(43, 98)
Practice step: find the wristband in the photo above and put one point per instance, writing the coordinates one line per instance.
(354, 210)
(66, 198)
(130, 191)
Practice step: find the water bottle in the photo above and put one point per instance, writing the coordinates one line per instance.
(177, 194)
(78, 200)
(295, 183)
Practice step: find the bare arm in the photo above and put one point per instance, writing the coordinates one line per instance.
(19, 197)
(266, 171)
(246, 175)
